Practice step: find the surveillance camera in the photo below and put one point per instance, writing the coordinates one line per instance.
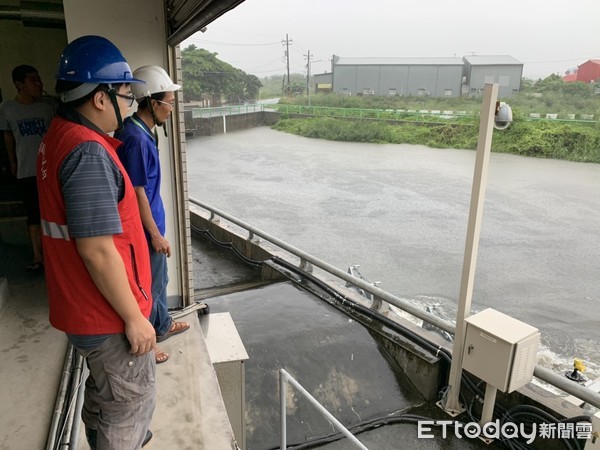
(503, 116)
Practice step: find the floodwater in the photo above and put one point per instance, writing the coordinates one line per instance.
(401, 211)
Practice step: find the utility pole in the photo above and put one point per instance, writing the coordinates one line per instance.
(308, 57)
(287, 43)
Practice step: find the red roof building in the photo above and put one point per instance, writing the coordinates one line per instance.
(589, 71)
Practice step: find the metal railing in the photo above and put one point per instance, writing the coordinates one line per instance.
(441, 116)
(284, 379)
(305, 264)
(204, 113)
(373, 113)
(542, 373)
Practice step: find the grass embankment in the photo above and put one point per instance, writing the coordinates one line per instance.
(572, 142)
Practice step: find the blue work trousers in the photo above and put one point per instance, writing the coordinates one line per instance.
(159, 317)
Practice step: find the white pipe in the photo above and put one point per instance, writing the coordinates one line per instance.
(336, 423)
(488, 404)
(75, 385)
(282, 409)
(59, 405)
(79, 406)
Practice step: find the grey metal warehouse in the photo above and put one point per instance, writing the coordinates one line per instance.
(423, 76)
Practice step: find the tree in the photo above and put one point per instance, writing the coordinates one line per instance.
(253, 86)
(205, 74)
(551, 83)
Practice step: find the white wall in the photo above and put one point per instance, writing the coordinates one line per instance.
(38, 47)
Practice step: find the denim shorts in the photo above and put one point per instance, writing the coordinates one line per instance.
(120, 394)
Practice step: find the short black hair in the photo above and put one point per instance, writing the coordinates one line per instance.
(19, 73)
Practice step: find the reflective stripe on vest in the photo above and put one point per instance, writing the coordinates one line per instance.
(55, 230)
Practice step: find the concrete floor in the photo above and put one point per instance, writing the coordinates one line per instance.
(190, 413)
(32, 359)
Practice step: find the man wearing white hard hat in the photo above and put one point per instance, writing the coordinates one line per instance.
(139, 155)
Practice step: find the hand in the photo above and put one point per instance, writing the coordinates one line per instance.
(161, 245)
(13, 168)
(141, 336)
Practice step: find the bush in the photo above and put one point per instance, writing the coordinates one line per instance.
(536, 139)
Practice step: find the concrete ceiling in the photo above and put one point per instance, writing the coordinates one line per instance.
(184, 17)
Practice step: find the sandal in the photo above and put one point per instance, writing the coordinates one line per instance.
(160, 356)
(176, 328)
(147, 438)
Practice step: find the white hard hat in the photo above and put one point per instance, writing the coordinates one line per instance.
(157, 80)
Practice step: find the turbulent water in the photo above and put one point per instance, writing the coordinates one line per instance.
(400, 211)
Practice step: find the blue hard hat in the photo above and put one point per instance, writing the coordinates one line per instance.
(94, 59)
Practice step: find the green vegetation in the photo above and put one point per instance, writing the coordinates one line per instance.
(553, 96)
(378, 120)
(207, 76)
(549, 96)
(540, 139)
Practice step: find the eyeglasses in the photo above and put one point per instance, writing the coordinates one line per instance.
(130, 99)
(172, 104)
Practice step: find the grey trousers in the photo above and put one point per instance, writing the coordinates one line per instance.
(120, 394)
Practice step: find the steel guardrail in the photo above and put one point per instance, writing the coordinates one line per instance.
(542, 373)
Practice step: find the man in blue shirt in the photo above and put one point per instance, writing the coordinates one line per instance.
(139, 155)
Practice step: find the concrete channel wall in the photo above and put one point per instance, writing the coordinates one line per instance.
(428, 372)
(211, 126)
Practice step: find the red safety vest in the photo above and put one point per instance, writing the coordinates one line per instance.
(76, 304)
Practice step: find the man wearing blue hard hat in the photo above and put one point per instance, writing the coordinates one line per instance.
(96, 257)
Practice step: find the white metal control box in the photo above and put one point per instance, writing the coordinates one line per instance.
(500, 350)
(228, 356)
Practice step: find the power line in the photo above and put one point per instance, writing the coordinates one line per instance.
(265, 64)
(203, 41)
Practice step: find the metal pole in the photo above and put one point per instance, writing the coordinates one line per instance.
(75, 390)
(451, 402)
(282, 407)
(488, 404)
(287, 55)
(59, 405)
(336, 423)
(308, 77)
(79, 404)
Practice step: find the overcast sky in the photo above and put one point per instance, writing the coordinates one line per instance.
(547, 36)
